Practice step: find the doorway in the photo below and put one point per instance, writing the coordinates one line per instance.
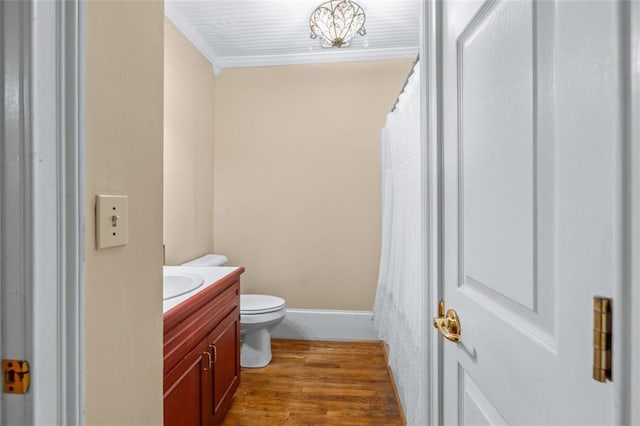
(41, 205)
(470, 266)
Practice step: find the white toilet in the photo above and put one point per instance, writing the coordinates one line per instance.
(259, 315)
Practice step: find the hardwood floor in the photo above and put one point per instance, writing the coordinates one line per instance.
(317, 383)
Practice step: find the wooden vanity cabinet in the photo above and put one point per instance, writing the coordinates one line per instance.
(186, 396)
(225, 343)
(202, 355)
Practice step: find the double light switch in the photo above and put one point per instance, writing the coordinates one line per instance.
(111, 221)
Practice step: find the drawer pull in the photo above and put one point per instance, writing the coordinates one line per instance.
(209, 356)
(215, 352)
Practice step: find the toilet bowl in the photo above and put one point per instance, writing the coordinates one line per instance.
(259, 315)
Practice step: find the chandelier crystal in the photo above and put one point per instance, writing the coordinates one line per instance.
(336, 22)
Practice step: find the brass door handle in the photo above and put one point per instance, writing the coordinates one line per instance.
(448, 324)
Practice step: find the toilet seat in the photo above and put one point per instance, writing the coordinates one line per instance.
(255, 304)
(259, 315)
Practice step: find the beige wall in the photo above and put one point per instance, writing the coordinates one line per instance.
(188, 149)
(297, 178)
(124, 156)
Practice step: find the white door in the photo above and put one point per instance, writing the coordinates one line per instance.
(532, 146)
(15, 202)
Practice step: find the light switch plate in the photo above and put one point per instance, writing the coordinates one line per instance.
(111, 221)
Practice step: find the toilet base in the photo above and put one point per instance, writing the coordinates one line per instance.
(256, 348)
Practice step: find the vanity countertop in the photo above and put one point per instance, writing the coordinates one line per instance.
(210, 274)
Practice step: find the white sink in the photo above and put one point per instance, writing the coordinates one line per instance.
(177, 284)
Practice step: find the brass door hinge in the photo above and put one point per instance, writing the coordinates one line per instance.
(17, 376)
(601, 339)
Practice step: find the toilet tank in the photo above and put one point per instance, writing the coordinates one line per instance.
(207, 260)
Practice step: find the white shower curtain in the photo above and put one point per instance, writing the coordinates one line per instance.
(397, 309)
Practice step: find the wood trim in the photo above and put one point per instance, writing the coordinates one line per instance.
(431, 159)
(219, 63)
(184, 25)
(57, 131)
(319, 57)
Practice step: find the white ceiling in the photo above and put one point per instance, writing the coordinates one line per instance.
(245, 33)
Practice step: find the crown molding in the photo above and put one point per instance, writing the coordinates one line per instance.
(315, 57)
(182, 23)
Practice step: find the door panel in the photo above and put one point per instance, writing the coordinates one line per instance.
(474, 406)
(226, 376)
(506, 163)
(187, 392)
(531, 218)
(496, 140)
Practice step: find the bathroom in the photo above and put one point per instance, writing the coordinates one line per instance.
(122, 286)
(548, 120)
(278, 167)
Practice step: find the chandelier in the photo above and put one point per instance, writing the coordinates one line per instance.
(336, 22)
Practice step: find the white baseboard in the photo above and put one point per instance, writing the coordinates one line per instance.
(314, 324)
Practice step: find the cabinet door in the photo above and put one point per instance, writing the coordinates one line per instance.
(225, 345)
(187, 389)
